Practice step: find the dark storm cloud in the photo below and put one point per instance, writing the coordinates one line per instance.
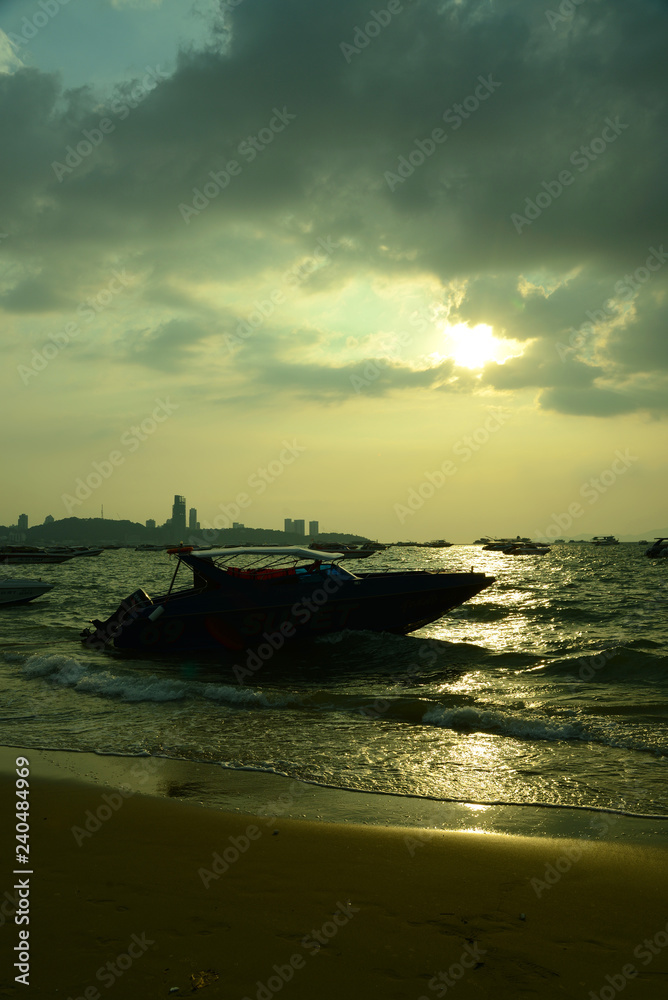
(269, 366)
(170, 346)
(472, 140)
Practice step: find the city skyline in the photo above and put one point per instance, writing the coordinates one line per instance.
(389, 279)
(177, 520)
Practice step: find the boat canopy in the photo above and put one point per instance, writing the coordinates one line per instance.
(293, 551)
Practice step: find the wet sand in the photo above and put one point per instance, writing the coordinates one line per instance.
(133, 896)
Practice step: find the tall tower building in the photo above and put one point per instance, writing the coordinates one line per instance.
(192, 519)
(179, 513)
(23, 522)
(313, 528)
(287, 524)
(299, 527)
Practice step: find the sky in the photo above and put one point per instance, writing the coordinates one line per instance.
(398, 268)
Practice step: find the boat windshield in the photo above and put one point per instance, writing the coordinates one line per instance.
(270, 562)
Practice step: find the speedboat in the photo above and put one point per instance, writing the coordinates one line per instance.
(14, 591)
(73, 551)
(527, 549)
(659, 549)
(501, 544)
(21, 555)
(344, 551)
(251, 595)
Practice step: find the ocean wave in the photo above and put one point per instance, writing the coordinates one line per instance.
(608, 665)
(86, 678)
(468, 719)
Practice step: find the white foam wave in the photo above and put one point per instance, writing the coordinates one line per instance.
(469, 720)
(86, 678)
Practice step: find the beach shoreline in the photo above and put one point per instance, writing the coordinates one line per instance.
(141, 895)
(265, 793)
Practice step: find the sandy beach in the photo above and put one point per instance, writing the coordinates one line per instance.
(137, 896)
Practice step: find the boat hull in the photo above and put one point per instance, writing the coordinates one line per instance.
(13, 592)
(245, 618)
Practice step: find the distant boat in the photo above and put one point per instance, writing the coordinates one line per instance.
(22, 555)
(15, 591)
(659, 550)
(74, 550)
(501, 544)
(605, 540)
(527, 549)
(346, 551)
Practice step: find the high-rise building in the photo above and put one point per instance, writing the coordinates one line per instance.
(23, 522)
(178, 522)
(299, 527)
(192, 519)
(150, 523)
(313, 528)
(238, 524)
(287, 524)
(48, 519)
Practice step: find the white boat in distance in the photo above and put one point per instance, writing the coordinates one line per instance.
(14, 591)
(605, 540)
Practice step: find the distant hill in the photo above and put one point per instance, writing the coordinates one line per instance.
(102, 531)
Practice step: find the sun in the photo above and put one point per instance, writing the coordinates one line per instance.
(477, 346)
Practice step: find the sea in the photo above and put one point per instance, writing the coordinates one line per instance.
(541, 705)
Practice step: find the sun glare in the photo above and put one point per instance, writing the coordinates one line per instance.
(475, 347)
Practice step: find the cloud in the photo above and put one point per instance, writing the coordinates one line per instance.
(518, 101)
(9, 60)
